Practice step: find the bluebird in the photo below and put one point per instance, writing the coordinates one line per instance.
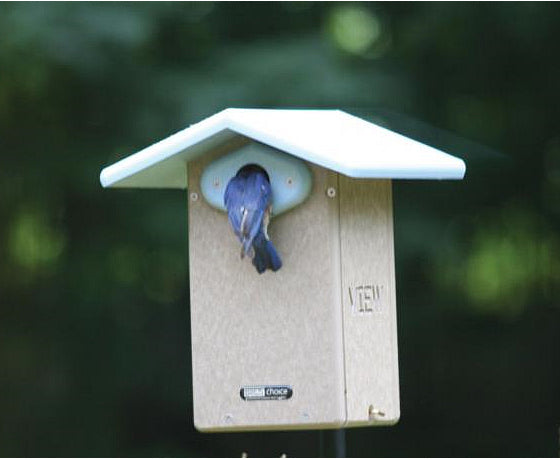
(248, 201)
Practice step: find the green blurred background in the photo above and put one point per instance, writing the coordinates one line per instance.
(94, 319)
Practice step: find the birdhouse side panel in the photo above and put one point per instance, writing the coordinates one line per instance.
(368, 301)
(284, 329)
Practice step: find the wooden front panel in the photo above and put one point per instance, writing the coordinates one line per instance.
(282, 328)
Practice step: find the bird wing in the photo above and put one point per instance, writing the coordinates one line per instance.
(247, 199)
(256, 201)
(233, 200)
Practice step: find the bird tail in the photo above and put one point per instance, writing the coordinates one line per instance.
(265, 255)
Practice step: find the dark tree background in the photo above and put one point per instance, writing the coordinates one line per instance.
(94, 318)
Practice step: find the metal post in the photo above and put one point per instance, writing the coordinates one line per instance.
(340, 443)
(332, 443)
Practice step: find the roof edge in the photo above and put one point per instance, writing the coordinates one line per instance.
(163, 149)
(232, 119)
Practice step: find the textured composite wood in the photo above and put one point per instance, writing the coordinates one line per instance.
(325, 324)
(368, 301)
(277, 328)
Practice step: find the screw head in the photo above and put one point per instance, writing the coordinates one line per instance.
(289, 181)
(194, 196)
(374, 412)
(331, 192)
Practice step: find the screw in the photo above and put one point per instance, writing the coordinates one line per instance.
(216, 182)
(373, 412)
(289, 181)
(194, 196)
(331, 192)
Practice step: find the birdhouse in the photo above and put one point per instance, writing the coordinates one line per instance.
(314, 344)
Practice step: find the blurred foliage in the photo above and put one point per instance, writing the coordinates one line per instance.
(94, 320)
(511, 259)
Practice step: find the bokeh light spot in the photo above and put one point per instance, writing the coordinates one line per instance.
(33, 242)
(512, 260)
(354, 28)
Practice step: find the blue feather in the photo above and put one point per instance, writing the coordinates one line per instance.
(247, 198)
(265, 255)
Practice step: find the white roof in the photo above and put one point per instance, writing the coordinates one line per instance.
(329, 138)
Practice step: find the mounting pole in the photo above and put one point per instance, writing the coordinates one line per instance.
(332, 443)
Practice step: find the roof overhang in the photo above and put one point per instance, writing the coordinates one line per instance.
(329, 138)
